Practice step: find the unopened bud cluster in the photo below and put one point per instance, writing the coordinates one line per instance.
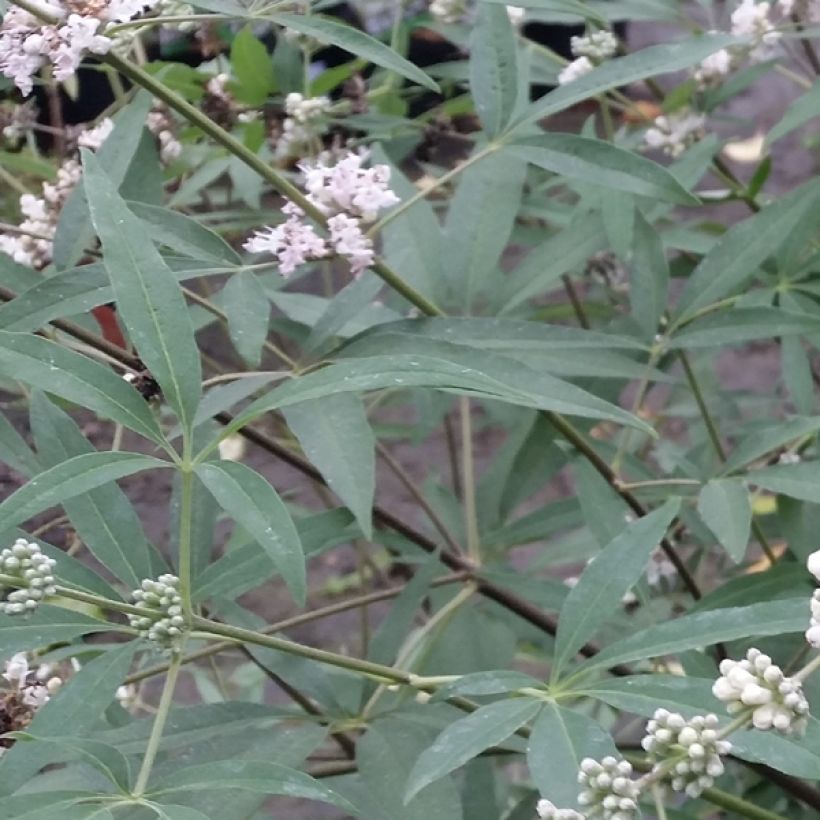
(589, 51)
(813, 632)
(608, 790)
(757, 685)
(597, 46)
(26, 562)
(163, 597)
(694, 743)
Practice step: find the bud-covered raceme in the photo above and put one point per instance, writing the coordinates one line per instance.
(597, 46)
(608, 789)
(162, 596)
(758, 686)
(693, 744)
(547, 811)
(25, 561)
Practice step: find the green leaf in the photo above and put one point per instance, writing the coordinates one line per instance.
(69, 479)
(55, 369)
(468, 373)
(468, 737)
(74, 233)
(46, 625)
(26, 806)
(103, 518)
(184, 235)
(769, 438)
(622, 71)
(544, 265)
(478, 224)
(385, 754)
(14, 452)
(106, 759)
(251, 775)
(725, 507)
(744, 324)
(248, 310)
(649, 277)
(705, 629)
(800, 111)
(247, 566)
(169, 811)
(643, 694)
(337, 438)
(493, 68)
(606, 579)
(786, 754)
(418, 263)
(253, 68)
(560, 740)
(253, 503)
(601, 163)
(331, 32)
(75, 708)
(150, 303)
(795, 480)
(743, 248)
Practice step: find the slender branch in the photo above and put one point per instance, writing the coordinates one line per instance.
(159, 725)
(418, 495)
(468, 475)
(806, 45)
(289, 623)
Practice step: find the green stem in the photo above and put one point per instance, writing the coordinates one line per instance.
(185, 524)
(660, 808)
(159, 725)
(468, 474)
(375, 671)
(811, 667)
(270, 175)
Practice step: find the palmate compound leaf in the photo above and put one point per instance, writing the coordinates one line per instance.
(468, 737)
(254, 504)
(150, 303)
(250, 775)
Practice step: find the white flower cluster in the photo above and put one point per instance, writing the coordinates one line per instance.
(349, 195)
(162, 596)
(694, 745)
(25, 561)
(674, 133)
(27, 44)
(32, 245)
(302, 125)
(34, 687)
(758, 686)
(753, 22)
(813, 632)
(608, 792)
(546, 810)
(589, 51)
(660, 569)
